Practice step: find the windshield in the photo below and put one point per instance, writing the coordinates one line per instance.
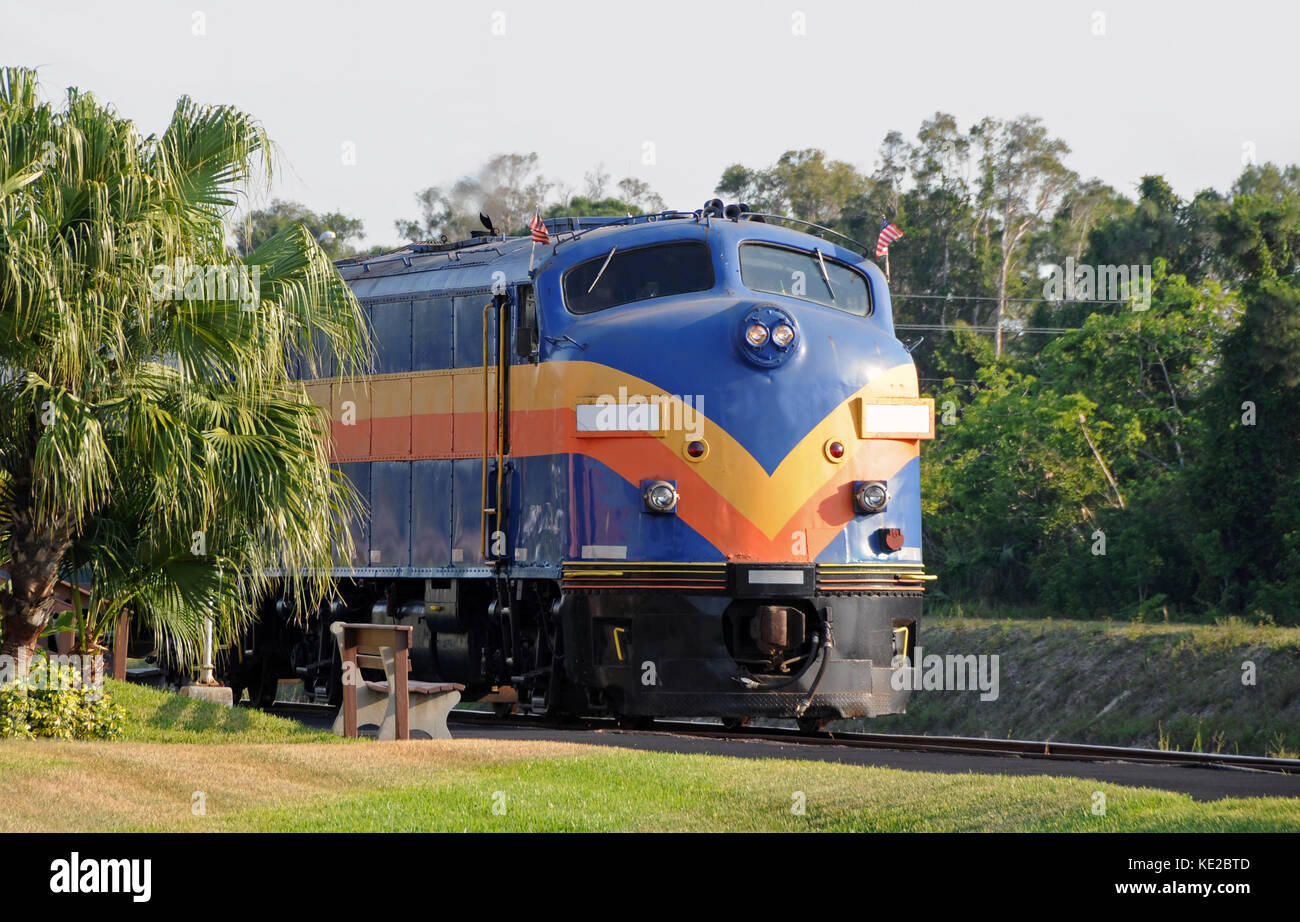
(801, 274)
(620, 276)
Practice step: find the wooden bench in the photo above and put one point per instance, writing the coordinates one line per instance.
(398, 705)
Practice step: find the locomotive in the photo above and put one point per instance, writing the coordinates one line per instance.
(661, 465)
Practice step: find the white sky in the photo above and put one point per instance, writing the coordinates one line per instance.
(426, 91)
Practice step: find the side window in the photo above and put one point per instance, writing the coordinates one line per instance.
(431, 324)
(526, 335)
(392, 324)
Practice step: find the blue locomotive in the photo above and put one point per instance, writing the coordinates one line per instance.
(659, 465)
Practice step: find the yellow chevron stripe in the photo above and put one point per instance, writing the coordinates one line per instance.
(729, 468)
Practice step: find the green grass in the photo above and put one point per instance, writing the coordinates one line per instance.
(276, 775)
(155, 716)
(649, 792)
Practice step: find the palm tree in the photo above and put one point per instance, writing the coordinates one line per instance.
(151, 440)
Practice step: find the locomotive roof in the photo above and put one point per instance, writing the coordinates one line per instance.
(473, 265)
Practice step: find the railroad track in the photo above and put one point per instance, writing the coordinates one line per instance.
(1071, 752)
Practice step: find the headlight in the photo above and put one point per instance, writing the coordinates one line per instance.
(871, 497)
(660, 496)
(766, 336)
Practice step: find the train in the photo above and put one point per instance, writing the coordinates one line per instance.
(663, 465)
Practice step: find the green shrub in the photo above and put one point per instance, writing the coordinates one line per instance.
(52, 702)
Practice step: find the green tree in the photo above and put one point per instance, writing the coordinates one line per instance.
(1160, 225)
(638, 192)
(802, 184)
(581, 206)
(1247, 481)
(1022, 181)
(148, 428)
(333, 230)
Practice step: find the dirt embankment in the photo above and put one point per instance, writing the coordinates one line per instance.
(1227, 687)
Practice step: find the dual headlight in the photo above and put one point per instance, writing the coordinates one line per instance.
(757, 334)
(767, 336)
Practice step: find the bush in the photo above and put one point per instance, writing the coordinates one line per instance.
(52, 702)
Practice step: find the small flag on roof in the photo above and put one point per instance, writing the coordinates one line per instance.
(889, 232)
(539, 230)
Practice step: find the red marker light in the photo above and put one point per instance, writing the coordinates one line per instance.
(835, 449)
(695, 449)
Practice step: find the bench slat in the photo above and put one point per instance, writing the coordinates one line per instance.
(420, 688)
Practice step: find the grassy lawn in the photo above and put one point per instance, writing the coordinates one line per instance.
(546, 786)
(155, 716)
(273, 774)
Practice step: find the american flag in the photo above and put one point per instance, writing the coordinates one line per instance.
(539, 230)
(889, 232)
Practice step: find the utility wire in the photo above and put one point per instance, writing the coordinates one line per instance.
(893, 295)
(950, 328)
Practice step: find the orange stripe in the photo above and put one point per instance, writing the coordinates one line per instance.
(728, 498)
(822, 516)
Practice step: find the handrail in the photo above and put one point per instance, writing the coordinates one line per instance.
(486, 510)
(501, 408)
(866, 251)
(655, 217)
(495, 509)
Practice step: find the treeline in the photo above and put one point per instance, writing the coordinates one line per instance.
(1101, 448)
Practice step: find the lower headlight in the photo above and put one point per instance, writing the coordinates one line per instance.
(871, 496)
(660, 496)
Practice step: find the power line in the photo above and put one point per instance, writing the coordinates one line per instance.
(951, 297)
(949, 328)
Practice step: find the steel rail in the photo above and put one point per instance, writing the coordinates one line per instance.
(1033, 749)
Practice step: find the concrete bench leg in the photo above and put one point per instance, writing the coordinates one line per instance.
(429, 713)
(372, 708)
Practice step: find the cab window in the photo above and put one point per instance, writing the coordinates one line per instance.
(801, 274)
(621, 276)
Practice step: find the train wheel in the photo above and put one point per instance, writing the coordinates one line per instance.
(503, 709)
(731, 724)
(545, 694)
